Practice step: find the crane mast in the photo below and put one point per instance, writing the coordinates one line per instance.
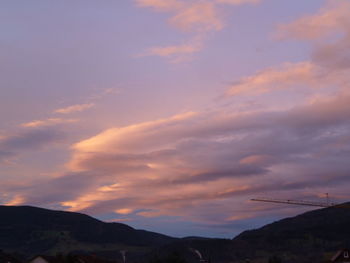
(295, 202)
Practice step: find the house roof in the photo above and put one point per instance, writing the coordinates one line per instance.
(339, 252)
(50, 259)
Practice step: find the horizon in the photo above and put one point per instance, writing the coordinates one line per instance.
(180, 237)
(170, 115)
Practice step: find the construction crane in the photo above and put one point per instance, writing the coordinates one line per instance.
(296, 202)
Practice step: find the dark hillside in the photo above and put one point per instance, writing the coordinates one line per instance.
(312, 234)
(329, 226)
(311, 237)
(36, 230)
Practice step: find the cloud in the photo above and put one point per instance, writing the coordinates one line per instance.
(176, 53)
(47, 122)
(75, 108)
(50, 191)
(313, 76)
(334, 55)
(17, 200)
(116, 136)
(199, 16)
(29, 140)
(328, 31)
(237, 2)
(329, 66)
(286, 76)
(193, 16)
(159, 5)
(181, 165)
(204, 166)
(33, 136)
(332, 19)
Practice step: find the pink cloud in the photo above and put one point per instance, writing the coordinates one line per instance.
(329, 33)
(334, 18)
(75, 108)
(194, 16)
(238, 2)
(47, 122)
(34, 139)
(197, 166)
(204, 166)
(176, 53)
(329, 66)
(160, 5)
(199, 16)
(178, 165)
(282, 77)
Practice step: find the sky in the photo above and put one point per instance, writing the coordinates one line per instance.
(170, 115)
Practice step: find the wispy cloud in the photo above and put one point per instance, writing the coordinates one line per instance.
(203, 166)
(185, 164)
(180, 165)
(47, 122)
(199, 16)
(75, 108)
(328, 31)
(192, 16)
(329, 66)
(238, 2)
(160, 5)
(29, 140)
(188, 16)
(330, 20)
(197, 166)
(281, 77)
(177, 53)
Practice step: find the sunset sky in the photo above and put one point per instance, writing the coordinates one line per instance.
(170, 115)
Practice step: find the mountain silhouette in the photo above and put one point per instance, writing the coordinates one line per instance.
(310, 237)
(31, 230)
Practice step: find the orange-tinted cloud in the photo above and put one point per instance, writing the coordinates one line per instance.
(332, 19)
(179, 165)
(267, 80)
(204, 166)
(329, 66)
(113, 140)
(198, 17)
(47, 122)
(238, 2)
(161, 5)
(199, 166)
(176, 53)
(16, 200)
(195, 16)
(75, 108)
(255, 159)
